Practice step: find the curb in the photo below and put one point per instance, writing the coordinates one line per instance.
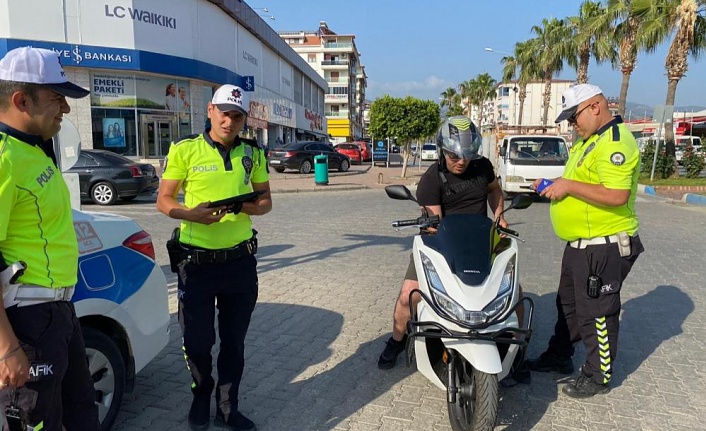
(688, 198)
(694, 199)
(318, 189)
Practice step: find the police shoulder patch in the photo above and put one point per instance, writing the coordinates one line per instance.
(617, 158)
(186, 138)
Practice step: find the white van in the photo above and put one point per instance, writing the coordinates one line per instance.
(524, 158)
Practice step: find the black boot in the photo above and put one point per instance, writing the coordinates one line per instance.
(548, 361)
(200, 411)
(392, 350)
(585, 387)
(236, 422)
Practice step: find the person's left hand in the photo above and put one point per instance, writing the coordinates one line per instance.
(502, 222)
(557, 190)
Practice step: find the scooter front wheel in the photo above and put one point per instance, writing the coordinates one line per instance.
(476, 406)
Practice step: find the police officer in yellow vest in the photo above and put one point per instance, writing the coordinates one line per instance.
(593, 210)
(44, 378)
(218, 263)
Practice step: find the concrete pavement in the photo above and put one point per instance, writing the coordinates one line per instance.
(330, 268)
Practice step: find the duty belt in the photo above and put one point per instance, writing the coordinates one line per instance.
(582, 243)
(23, 295)
(201, 256)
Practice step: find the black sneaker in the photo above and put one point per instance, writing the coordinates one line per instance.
(549, 362)
(389, 356)
(236, 422)
(200, 412)
(585, 387)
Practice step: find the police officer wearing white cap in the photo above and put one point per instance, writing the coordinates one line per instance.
(215, 250)
(44, 379)
(593, 210)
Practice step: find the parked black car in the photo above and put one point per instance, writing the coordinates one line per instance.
(300, 156)
(104, 177)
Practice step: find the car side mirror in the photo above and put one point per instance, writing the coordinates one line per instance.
(502, 152)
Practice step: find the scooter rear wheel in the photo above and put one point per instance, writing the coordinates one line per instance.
(476, 406)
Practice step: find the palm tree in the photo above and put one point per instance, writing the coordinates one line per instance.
(589, 40)
(465, 90)
(628, 36)
(483, 89)
(522, 65)
(447, 97)
(685, 20)
(550, 47)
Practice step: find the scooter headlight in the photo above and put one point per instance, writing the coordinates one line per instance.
(500, 302)
(431, 274)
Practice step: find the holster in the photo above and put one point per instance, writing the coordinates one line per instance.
(175, 251)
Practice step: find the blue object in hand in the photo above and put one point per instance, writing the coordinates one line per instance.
(543, 184)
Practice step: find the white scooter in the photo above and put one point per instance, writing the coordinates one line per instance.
(465, 331)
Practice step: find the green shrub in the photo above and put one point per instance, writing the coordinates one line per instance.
(693, 162)
(665, 167)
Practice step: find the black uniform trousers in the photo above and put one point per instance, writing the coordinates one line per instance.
(595, 321)
(60, 390)
(233, 287)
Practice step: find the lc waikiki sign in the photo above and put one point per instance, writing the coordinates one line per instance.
(157, 19)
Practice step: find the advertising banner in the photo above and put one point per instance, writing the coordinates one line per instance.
(113, 132)
(127, 91)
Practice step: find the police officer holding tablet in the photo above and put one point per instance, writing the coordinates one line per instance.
(217, 265)
(593, 210)
(44, 378)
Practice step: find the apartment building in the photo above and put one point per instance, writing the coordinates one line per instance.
(336, 58)
(505, 109)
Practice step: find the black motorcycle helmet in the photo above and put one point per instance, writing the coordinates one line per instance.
(458, 135)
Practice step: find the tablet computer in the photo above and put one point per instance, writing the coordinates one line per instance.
(247, 197)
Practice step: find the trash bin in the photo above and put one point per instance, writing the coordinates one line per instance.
(321, 170)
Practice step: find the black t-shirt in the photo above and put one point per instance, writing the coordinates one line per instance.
(462, 194)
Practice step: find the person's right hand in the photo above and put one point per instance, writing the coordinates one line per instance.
(205, 215)
(14, 370)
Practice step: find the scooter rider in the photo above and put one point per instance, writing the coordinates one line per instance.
(462, 182)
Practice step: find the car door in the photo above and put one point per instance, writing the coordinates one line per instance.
(84, 167)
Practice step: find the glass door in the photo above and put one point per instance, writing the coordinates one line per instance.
(158, 132)
(165, 136)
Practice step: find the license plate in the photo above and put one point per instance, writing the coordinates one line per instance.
(274, 162)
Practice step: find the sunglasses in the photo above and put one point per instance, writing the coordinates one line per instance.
(572, 119)
(452, 156)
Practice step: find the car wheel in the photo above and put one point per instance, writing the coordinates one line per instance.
(128, 198)
(104, 193)
(305, 167)
(280, 170)
(107, 368)
(344, 166)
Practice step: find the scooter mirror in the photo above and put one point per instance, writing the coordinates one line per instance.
(521, 202)
(67, 145)
(399, 192)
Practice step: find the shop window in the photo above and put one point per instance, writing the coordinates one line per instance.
(115, 130)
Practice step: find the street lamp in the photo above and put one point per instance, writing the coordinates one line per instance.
(272, 17)
(264, 9)
(497, 50)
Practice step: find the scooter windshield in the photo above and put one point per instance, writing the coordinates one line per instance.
(464, 241)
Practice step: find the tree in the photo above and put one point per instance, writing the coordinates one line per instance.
(526, 61)
(452, 101)
(685, 20)
(589, 39)
(404, 119)
(484, 88)
(465, 90)
(549, 46)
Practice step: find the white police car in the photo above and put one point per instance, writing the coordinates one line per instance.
(121, 295)
(121, 300)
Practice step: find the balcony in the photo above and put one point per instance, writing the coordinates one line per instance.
(334, 64)
(340, 46)
(334, 81)
(337, 97)
(339, 114)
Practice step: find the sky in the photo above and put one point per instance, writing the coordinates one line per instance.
(420, 48)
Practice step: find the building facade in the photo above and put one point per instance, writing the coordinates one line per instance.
(505, 109)
(336, 58)
(152, 68)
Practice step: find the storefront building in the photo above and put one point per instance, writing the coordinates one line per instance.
(152, 68)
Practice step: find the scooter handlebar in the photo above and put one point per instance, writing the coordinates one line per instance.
(422, 222)
(403, 223)
(508, 231)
